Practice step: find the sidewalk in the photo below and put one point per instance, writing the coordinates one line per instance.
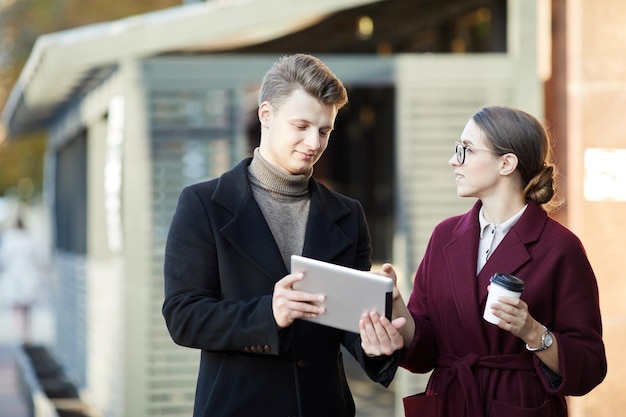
(11, 402)
(371, 399)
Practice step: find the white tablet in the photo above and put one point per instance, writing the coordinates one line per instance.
(349, 292)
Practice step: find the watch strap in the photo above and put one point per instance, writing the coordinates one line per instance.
(543, 342)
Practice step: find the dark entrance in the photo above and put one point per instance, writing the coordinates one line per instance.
(359, 161)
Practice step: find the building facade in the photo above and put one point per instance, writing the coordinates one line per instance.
(138, 108)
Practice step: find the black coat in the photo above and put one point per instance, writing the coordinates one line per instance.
(221, 264)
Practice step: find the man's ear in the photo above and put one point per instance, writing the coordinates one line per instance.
(265, 113)
(509, 164)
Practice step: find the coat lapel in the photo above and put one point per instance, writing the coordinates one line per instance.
(325, 240)
(510, 255)
(249, 234)
(461, 257)
(247, 231)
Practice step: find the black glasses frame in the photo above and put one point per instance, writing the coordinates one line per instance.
(460, 150)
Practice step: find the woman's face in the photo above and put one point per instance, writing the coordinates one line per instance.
(479, 174)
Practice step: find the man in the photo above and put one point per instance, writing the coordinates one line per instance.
(228, 290)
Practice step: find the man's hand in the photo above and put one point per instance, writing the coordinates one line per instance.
(399, 308)
(289, 304)
(379, 336)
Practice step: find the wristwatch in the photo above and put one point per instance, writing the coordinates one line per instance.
(546, 341)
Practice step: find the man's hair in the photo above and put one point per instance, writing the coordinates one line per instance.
(306, 72)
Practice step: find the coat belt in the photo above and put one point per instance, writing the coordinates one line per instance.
(462, 369)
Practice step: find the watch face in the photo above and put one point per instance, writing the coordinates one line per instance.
(548, 340)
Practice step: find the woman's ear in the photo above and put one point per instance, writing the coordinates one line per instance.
(509, 164)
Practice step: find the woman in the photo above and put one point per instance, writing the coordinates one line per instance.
(548, 344)
(22, 267)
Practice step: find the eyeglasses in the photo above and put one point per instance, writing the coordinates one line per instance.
(461, 149)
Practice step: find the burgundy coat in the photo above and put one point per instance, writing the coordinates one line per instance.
(479, 369)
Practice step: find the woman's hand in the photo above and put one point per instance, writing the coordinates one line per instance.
(515, 318)
(388, 271)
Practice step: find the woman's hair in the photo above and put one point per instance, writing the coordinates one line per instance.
(301, 71)
(509, 130)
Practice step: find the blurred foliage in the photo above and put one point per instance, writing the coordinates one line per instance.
(21, 166)
(21, 23)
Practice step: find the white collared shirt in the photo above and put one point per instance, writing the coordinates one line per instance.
(491, 235)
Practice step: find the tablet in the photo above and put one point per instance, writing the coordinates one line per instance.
(349, 292)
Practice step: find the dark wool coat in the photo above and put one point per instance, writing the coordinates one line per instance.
(479, 369)
(221, 264)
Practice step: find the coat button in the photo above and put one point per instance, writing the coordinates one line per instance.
(266, 349)
(300, 363)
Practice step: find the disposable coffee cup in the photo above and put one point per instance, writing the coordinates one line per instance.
(502, 285)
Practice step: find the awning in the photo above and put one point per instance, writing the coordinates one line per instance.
(64, 64)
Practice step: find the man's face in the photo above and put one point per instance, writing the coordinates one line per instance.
(294, 136)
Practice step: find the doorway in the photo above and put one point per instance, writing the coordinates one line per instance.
(359, 161)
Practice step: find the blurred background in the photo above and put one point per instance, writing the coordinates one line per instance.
(110, 108)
